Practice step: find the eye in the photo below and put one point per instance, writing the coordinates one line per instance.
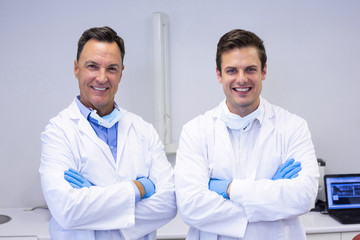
(91, 66)
(112, 69)
(230, 71)
(251, 69)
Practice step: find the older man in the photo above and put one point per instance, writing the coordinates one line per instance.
(104, 172)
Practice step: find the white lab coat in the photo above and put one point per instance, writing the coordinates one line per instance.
(70, 142)
(259, 208)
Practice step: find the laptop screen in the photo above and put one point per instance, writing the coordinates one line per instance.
(342, 191)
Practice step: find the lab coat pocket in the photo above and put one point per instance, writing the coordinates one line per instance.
(59, 233)
(208, 236)
(73, 235)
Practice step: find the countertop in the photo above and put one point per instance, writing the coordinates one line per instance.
(35, 223)
(26, 223)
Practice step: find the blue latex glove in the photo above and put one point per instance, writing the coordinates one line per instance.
(219, 186)
(148, 186)
(288, 170)
(76, 179)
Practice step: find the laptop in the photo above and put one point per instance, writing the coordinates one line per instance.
(342, 193)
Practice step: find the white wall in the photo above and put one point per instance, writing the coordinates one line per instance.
(312, 46)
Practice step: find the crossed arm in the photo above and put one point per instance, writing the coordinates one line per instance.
(145, 186)
(288, 170)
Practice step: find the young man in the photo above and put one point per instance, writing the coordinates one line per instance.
(104, 172)
(245, 169)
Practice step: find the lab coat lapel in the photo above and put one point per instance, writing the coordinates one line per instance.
(86, 129)
(267, 125)
(266, 128)
(224, 157)
(122, 135)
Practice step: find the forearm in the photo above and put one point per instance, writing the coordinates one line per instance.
(101, 208)
(155, 211)
(152, 213)
(268, 200)
(202, 208)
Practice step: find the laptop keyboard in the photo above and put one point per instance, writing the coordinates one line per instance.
(348, 214)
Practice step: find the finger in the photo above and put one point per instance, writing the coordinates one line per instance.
(74, 185)
(70, 179)
(290, 167)
(293, 172)
(74, 174)
(294, 176)
(286, 164)
(77, 173)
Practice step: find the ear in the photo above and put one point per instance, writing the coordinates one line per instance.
(264, 71)
(121, 72)
(76, 69)
(218, 75)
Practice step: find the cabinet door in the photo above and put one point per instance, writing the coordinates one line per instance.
(324, 236)
(348, 235)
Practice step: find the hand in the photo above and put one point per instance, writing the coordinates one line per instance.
(288, 170)
(148, 186)
(219, 186)
(76, 179)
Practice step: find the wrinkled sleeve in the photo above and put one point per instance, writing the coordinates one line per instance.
(268, 200)
(198, 206)
(94, 208)
(152, 213)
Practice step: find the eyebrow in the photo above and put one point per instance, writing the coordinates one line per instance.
(114, 65)
(93, 62)
(90, 62)
(233, 67)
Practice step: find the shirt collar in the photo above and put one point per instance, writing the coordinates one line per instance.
(260, 118)
(86, 111)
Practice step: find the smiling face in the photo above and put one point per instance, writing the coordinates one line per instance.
(241, 76)
(99, 70)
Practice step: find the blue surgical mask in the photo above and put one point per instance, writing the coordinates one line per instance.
(109, 120)
(235, 122)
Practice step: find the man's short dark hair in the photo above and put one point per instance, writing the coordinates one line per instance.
(102, 34)
(239, 38)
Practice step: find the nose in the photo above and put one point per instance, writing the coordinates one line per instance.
(241, 78)
(102, 76)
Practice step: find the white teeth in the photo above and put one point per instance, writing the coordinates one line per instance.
(100, 89)
(242, 89)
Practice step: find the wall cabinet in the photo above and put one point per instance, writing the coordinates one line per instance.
(349, 235)
(331, 236)
(324, 236)
(18, 238)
